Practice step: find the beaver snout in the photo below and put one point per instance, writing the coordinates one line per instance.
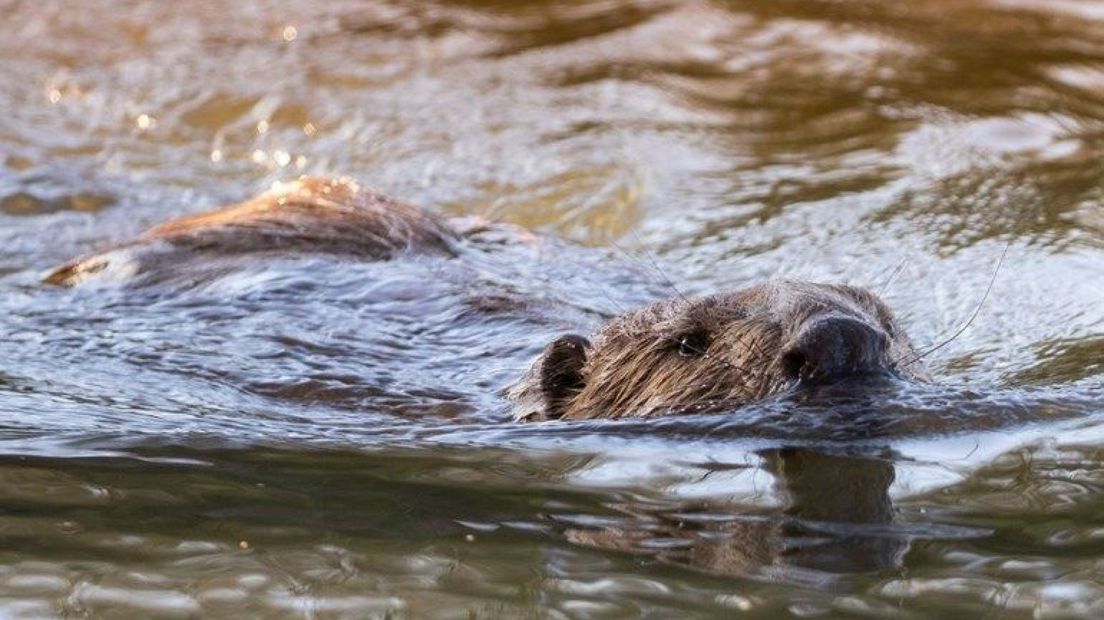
(833, 347)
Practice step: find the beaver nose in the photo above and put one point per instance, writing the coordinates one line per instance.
(833, 347)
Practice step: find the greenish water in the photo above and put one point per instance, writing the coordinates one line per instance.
(320, 439)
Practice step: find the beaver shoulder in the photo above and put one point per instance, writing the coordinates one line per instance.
(311, 215)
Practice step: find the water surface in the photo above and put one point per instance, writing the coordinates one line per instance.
(319, 439)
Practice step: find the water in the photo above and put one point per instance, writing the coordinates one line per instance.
(319, 439)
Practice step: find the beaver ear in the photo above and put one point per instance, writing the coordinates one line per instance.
(561, 373)
(556, 376)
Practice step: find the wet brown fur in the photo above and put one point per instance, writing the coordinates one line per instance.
(313, 215)
(681, 355)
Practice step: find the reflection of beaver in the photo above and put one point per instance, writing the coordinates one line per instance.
(835, 516)
(680, 354)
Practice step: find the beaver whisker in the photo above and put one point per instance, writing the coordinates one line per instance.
(666, 280)
(970, 321)
(881, 288)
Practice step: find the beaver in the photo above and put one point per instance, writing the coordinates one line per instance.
(676, 355)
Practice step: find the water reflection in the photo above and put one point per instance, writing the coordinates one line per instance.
(834, 516)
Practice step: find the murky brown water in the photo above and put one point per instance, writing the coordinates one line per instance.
(318, 439)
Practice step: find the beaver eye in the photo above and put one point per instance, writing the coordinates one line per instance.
(693, 344)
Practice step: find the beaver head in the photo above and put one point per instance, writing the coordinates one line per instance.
(687, 354)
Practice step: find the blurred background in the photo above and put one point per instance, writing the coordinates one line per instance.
(149, 445)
